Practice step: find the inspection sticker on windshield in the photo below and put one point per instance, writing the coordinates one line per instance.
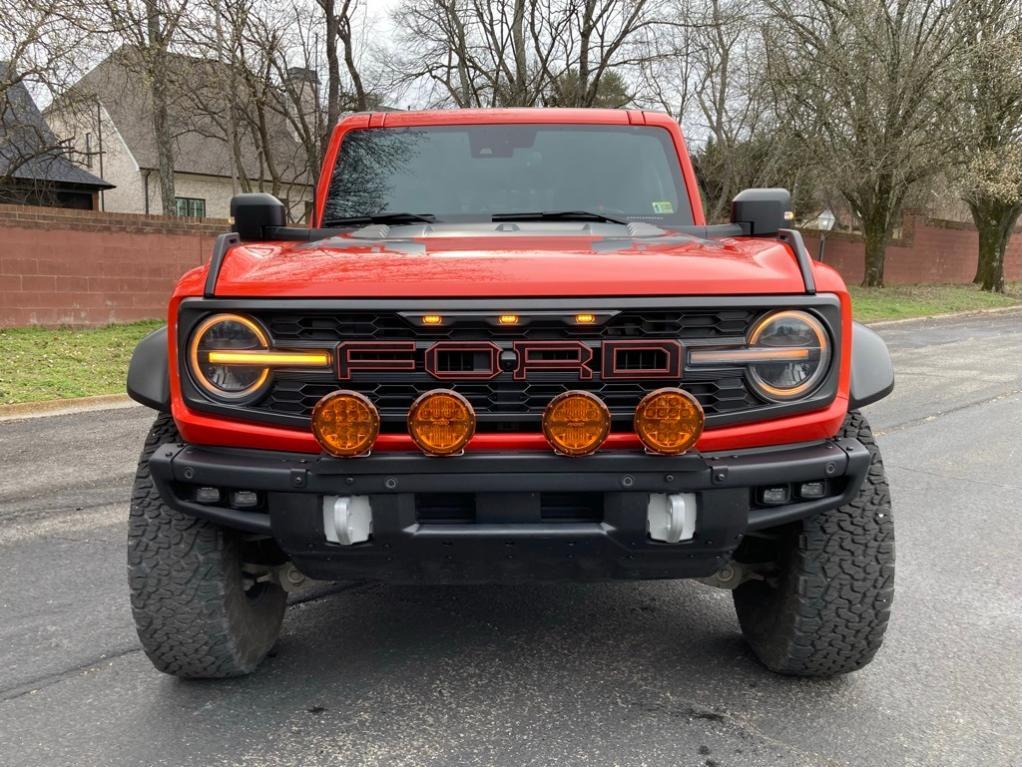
(663, 206)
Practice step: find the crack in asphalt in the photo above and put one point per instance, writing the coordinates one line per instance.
(43, 682)
(22, 689)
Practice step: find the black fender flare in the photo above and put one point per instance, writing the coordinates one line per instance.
(872, 368)
(148, 376)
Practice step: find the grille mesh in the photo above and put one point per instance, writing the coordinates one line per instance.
(502, 403)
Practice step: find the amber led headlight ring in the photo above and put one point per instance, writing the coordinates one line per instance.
(794, 355)
(227, 333)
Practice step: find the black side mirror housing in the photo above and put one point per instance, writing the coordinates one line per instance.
(762, 212)
(254, 213)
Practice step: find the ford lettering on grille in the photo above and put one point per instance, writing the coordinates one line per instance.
(619, 360)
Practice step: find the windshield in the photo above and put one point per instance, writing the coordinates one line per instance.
(476, 172)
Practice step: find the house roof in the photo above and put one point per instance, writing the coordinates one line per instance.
(197, 112)
(29, 150)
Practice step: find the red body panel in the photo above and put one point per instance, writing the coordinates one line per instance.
(562, 266)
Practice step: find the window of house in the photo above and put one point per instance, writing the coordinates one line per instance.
(88, 150)
(190, 207)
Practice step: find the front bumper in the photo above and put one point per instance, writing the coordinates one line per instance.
(503, 517)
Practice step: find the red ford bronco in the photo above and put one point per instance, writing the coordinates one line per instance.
(510, 348)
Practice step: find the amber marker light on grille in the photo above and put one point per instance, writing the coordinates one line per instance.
(441, 422)
(576, 423)
(345, 423)
(669, 421)
(270, 358)
(585, 319)
(507, 319)
(432, 319)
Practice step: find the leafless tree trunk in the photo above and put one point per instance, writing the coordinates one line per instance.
(868, 85)
(990, 128)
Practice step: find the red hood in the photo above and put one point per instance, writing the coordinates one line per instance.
(501, 265)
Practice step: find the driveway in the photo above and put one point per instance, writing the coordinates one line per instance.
(608, 674)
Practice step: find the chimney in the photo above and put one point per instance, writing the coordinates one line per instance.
(305, 82)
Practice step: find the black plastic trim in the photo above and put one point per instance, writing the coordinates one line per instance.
(148, 379)
(793, 239)
(388, 474)
(224, 242)
(872, 368)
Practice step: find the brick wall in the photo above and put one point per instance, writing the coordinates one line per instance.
(927, 251)
(87, 268)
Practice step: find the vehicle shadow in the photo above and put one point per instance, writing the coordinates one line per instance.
(405, 669)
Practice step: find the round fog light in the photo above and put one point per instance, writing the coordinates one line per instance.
(669, 421)
(345, 423)
(441, 422)
(576, 423)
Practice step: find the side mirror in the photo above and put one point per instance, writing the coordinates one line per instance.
(254, 213)
(762, 212)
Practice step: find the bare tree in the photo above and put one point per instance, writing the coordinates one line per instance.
(41, 47)
(151, 27)
(990, 124)
(867, 85)
(471, 53)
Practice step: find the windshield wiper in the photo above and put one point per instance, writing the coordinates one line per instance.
(557, 215)
(382, 218)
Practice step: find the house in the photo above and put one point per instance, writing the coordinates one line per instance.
(35, 168)
(212, 160)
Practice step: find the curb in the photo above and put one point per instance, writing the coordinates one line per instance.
(24, 410)
(946, 316)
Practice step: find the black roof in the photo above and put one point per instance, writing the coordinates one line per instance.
(29, 150)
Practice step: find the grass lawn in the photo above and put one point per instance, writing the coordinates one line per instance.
(904, 301)
(41, 364)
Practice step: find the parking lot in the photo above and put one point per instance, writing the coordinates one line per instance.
(604, 674)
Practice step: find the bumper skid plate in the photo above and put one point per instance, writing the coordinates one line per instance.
(511, 517)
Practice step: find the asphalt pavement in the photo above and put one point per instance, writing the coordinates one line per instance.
(604, 674)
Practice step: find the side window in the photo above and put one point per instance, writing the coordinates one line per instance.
(190, 207)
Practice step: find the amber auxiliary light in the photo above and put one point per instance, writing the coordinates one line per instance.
(669, 421)
(441, 422)
(576, 423)
(345, 423)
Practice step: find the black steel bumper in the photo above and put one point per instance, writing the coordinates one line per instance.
(502, 517)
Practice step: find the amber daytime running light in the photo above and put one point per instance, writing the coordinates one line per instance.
(231, 358)
(576, 423)
(787, 354)
(441, 422)
(669, 421)
(345, 423)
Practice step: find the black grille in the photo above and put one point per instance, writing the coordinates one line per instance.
(502, 403)
(391, 326)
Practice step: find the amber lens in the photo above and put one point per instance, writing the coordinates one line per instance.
(669, 421)
(576, 423)
(441, 422)
(345, 423)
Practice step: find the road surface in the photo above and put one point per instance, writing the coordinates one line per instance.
(609, 674)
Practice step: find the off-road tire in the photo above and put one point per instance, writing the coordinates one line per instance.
(824, 610)
(188, 597)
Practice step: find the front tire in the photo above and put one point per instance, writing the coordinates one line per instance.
(824, 608)
(192, 611)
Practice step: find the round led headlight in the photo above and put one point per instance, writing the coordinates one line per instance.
(794, 354)
(209, 350)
